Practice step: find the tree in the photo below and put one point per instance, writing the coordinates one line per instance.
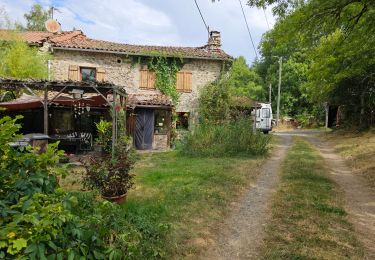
(18, 60)
(244, 81)
(5, 22)
(326, 46)
(36, 18)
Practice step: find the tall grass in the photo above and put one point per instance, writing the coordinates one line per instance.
(307, 218)
(225, 139)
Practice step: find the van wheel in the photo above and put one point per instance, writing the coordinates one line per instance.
(265, 132)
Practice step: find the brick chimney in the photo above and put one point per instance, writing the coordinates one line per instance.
(214, 42)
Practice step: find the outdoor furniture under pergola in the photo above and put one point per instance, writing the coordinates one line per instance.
(114, 95)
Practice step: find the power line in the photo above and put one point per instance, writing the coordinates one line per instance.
(248, 29)
(265, 15)
(205, 24)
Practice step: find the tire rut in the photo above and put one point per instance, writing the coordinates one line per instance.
(242, 232)
(359, 197)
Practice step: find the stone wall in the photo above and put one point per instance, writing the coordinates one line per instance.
(160, 142)
(120, 71)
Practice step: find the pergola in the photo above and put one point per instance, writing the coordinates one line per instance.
(117, 95)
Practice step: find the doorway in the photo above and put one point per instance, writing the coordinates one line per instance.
(144, 129)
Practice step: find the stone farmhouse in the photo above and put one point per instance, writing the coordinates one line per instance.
(78, 58)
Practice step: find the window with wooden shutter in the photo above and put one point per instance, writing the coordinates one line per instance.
(184, 81)
(188, 81)
(180, 82)
(100, 74)
(147, 79)
(73, 73)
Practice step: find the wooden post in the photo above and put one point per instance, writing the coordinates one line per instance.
(45, 112)
(114, 123)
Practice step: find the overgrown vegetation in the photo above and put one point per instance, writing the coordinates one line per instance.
(308, 220)
(231, 138)
(18, 60)
(221, 131)
(358, 149)
(325, 46)
(39, 220)
(214, 102)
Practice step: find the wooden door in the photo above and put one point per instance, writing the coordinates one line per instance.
(144, 129)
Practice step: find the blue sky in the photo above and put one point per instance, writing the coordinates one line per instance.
(156, 22)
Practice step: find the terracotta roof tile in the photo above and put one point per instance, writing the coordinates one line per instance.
(77, 40)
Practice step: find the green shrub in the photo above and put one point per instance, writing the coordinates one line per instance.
(225, 139)
(38, 220)
(214, 101)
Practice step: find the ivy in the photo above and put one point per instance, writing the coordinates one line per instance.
(166, 69)
(166, 74)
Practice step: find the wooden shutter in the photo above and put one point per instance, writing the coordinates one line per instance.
(184, 81)
(188, 81)
(100, 74)
(73, 73)
(151, 78)
(180, 81)
(147, 79)
(144, 79)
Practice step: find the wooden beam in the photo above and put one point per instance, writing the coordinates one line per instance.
(45, 111)
(114, 123)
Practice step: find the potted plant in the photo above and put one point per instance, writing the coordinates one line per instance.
(103, 142)
(111, 177)
(111, 174)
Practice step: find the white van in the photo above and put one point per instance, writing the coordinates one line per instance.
(264, 117)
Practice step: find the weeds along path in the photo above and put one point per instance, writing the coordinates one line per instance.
(359, 197)
(242, 232)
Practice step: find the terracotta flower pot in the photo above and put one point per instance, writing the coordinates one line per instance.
(116, 199)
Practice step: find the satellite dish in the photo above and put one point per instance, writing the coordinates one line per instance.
(52, 26)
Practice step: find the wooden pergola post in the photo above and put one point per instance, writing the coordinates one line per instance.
(114, 124)
(45, 111)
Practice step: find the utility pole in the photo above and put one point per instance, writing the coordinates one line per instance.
(270, 93)
(278, 91)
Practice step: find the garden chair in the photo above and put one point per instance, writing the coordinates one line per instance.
(85, 141)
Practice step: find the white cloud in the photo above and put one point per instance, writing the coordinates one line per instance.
(118, 20)
(16, 8)
(163, 22)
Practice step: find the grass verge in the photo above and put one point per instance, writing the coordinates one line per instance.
(190, 195)
(358, 148)
(308, 220)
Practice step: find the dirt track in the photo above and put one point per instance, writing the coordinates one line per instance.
(359, 197)
(242, 232)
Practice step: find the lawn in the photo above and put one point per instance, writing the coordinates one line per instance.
(307, 219)
(178, 202)
(191, 195)
(358, 148)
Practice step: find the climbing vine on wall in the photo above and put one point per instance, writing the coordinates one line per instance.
(166, 69)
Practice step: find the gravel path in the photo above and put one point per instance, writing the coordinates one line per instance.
(359, 197)
(242, 232)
